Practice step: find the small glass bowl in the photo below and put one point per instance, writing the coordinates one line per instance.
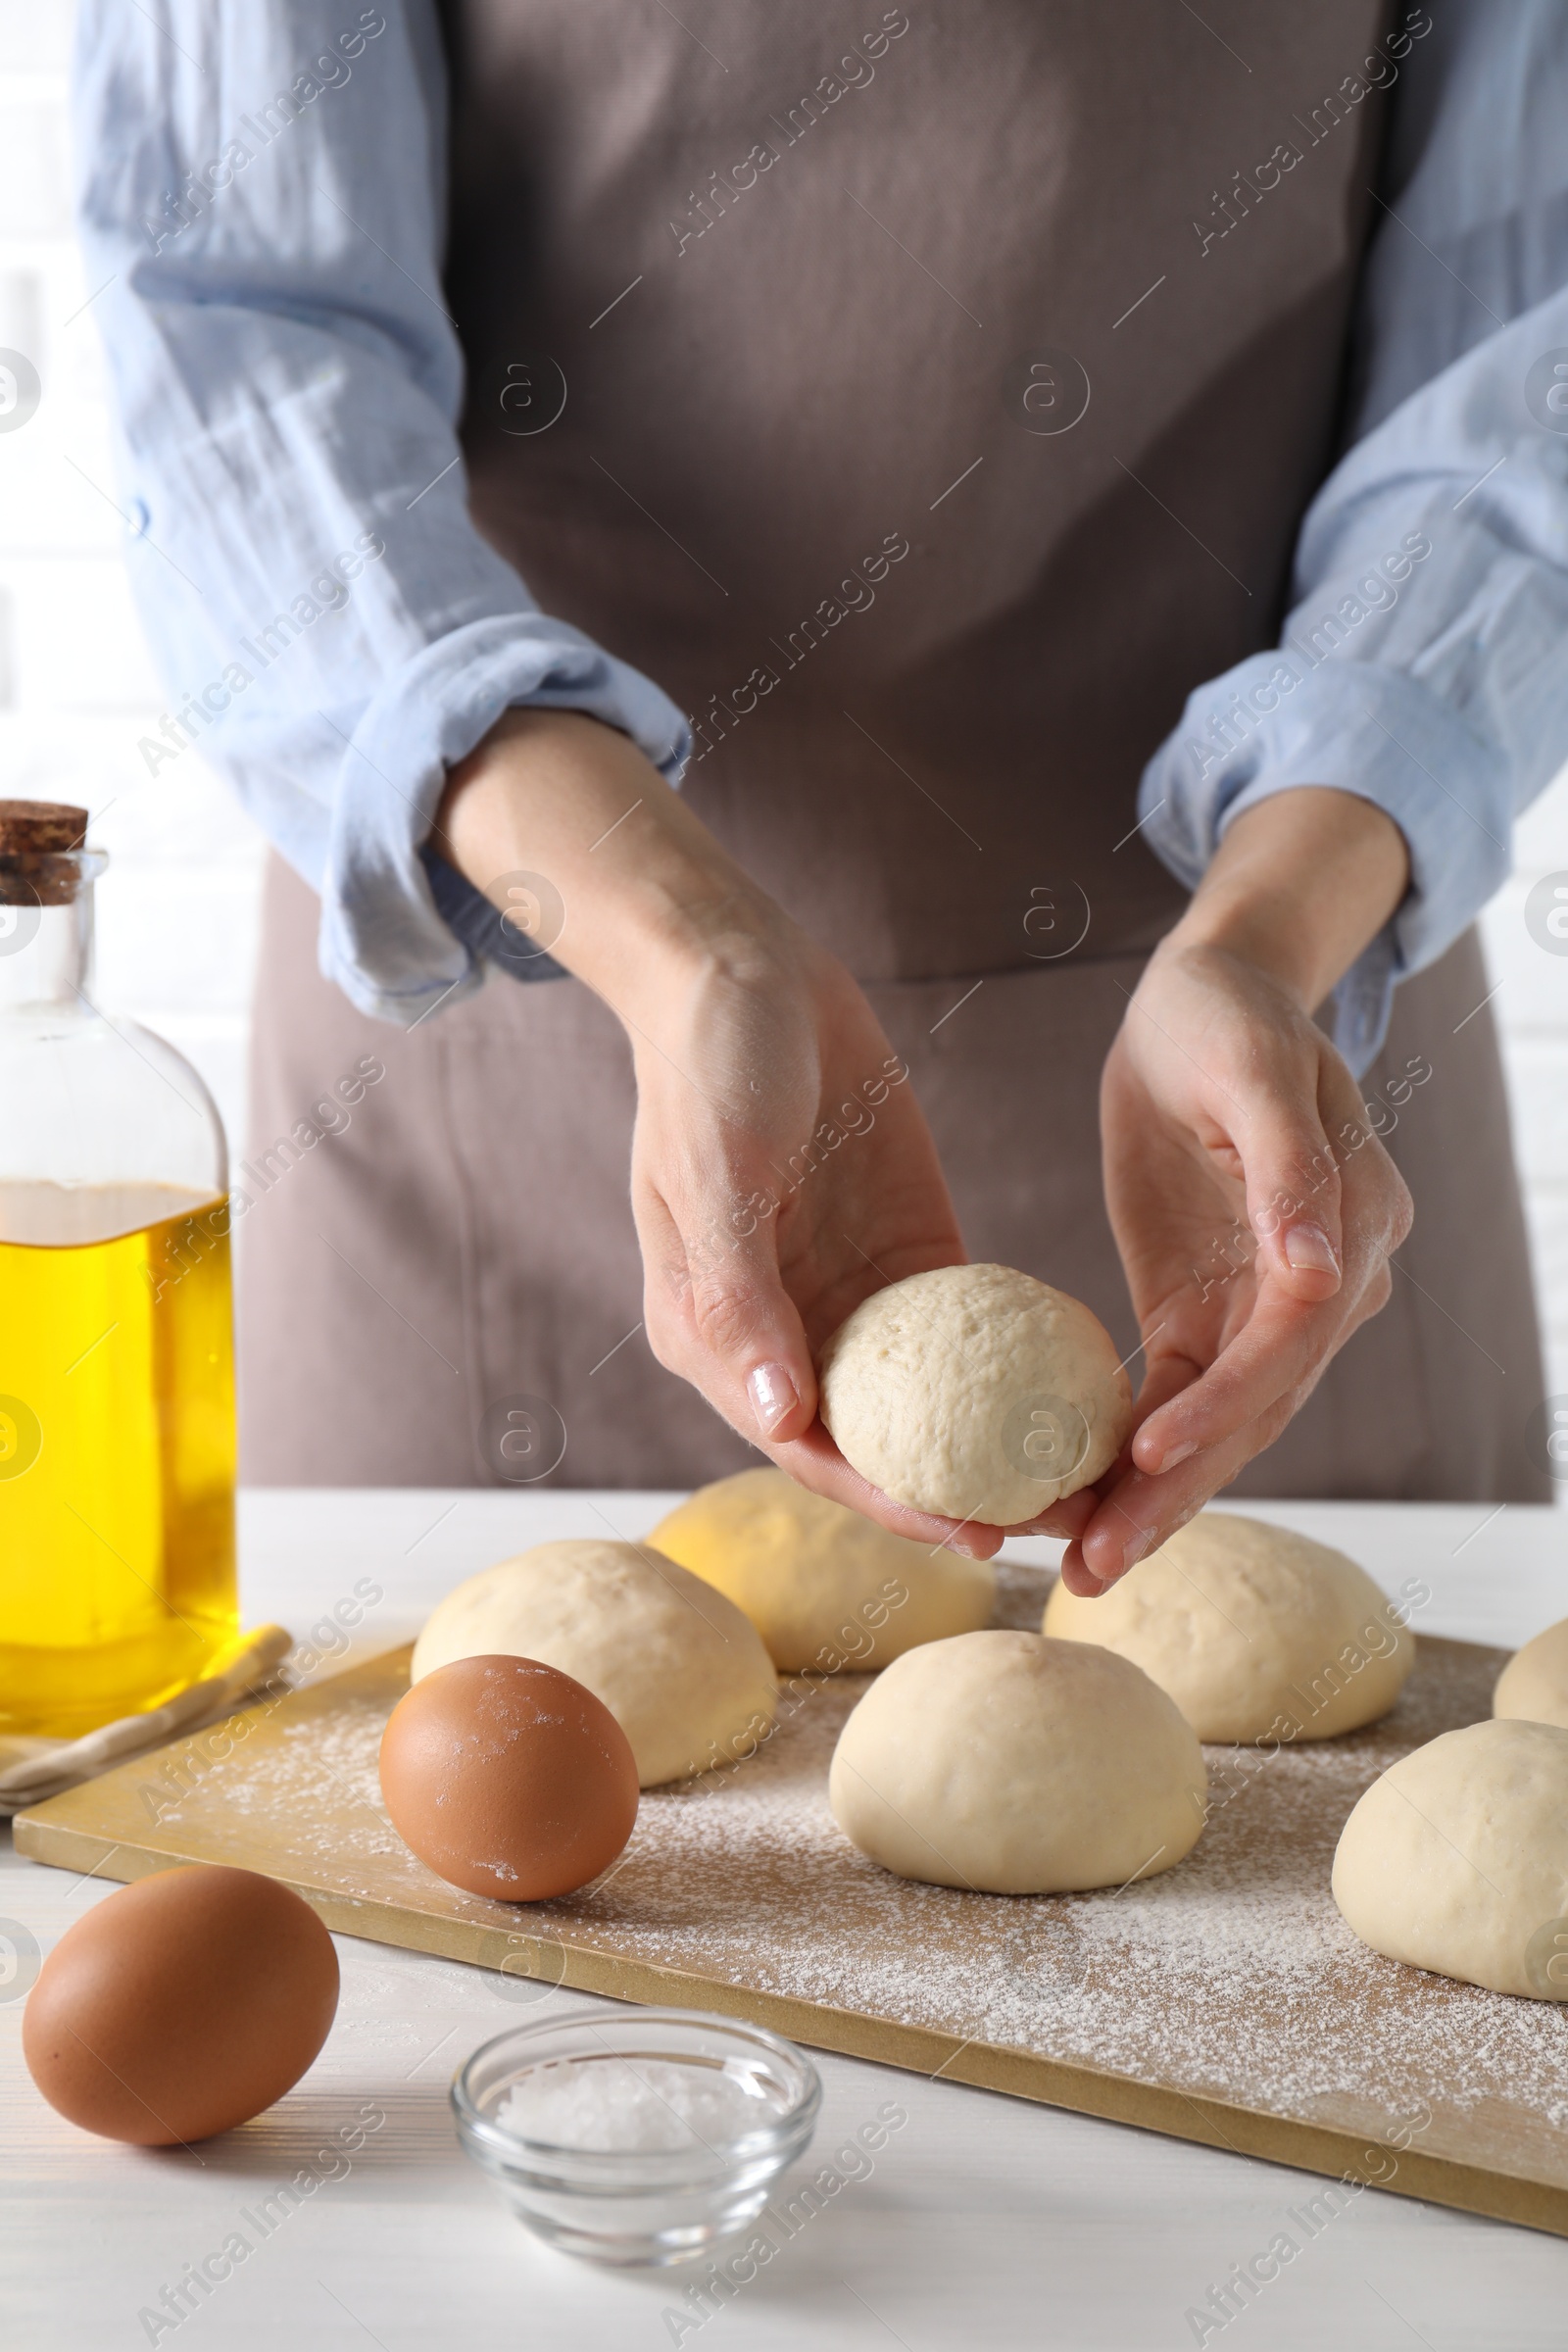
(639, 2206)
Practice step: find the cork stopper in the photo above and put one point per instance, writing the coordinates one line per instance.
(36, 837)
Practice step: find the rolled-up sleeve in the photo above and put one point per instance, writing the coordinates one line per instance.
(1422, 664)
(261, 199)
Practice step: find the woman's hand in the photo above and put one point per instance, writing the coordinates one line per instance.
(781, 1171)
(1255, 1210)
(781, 1168)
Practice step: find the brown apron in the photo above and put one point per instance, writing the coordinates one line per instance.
(942, 394)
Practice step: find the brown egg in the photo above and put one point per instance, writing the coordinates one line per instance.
(509, 1778)
(180, 2006)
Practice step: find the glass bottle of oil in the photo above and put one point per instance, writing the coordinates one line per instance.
(117, 1386)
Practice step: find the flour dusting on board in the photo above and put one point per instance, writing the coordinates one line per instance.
(1230, 1978)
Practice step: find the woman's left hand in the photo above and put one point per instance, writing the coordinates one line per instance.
(1255, 1210)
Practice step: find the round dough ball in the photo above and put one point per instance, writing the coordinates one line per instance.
(1457, 1860)
(823, 1586)
(1534, 1684)
(682, 1670)
(1013, 1765)
(976, 1392)
(1254, 1632)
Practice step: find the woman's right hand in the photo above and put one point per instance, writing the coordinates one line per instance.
(781, 1168)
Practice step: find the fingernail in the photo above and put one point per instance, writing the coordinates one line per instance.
(772, 1393)
(1308, 1250)
(1175, 1455)
(1135, 1548)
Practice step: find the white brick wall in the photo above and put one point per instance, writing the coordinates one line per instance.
(177, 910)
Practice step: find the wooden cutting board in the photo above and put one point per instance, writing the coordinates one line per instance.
(1224, 2002)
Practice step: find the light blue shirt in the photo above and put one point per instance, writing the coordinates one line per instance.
(287, 387)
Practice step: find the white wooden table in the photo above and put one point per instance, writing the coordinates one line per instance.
(985, 2221)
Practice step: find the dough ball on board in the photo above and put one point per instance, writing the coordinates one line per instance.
(1457, 1860)
(1253, 1631)
(823, 1586)
(682, 1670)
(1534, 1684)
(976, 1392)
(1013, 1765)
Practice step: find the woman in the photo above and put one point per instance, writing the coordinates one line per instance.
(928, 401)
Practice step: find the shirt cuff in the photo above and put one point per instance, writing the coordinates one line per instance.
(383, 939)
(1278, 722)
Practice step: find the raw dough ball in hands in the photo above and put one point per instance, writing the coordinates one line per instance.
(824, 1588)
(1253, 1631)
(1013, 1765)
(976, 1392)
(682, 1670)
(1457, 1860)
(1534, 1684)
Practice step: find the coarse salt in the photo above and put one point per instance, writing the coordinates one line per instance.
(635, 2104)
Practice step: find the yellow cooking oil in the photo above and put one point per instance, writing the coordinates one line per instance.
(116, 1450)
